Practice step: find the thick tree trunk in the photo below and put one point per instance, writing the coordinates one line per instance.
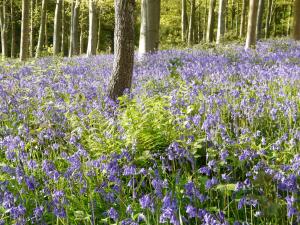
(74, 37)
(210, 22)
(93, 21)
(221, 20)
(192, 24)
(25, 29)
(268, 20)
(150, 20)
(297, 21)
(184, 20)
(41, 39)
(57, 37)
(13, 30)
(252, 20)
(3, 26)
(124, 48)
(243, 18)
(260, 18)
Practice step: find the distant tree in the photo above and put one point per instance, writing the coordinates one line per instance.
(243, 18)
(150, 20)
(41, 39)
(74, 36)
(210, 21)
(31, 41)
(25, 29)
(269, 18)
(192, 23)
(57, 36)
(260, 18)
(297, 20)
(13, 30)
(184, 20)
(221, 20)
(93, 22)
(252, 20)
(3, 26)
(124, 48)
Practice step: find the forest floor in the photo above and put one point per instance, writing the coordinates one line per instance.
(204, 137)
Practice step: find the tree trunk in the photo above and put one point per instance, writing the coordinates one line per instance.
(243, 18)
(192, 24)
(221, 20)
(268, 20)
(259, 19)
(57, 28)
(31, 45)
(99, 34)
(124, 48)
(290, 14)
(3, 26)
(25, 29)
(205, 19)
(74, 37)
(184, 20)
(210, 22)
(13, 30)
(297, 21)
(81, 39)
(93, 20)
(64, 36)
(252, 20)
(150, 19)
(41, 39)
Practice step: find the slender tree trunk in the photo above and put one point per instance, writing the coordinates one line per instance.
(243, 18)
(81, 39)
(99, 34)
(221, 20)
(210, 22)
(31, 45)
(124, 48)
(13, 30)
(192, 24)
(74, 37)
(150, 20)
(252, 20)
(57, 37)
(199, 23)
(41, 39)
(46, 32)
(93, 20)
(3, 29)
(184, 20)
(25, 29)
(259, 19)
(268, 20)
(233, 13)
(205, 21)
(237, 19)
(297, 21)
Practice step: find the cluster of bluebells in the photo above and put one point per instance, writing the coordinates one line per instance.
(234, 158)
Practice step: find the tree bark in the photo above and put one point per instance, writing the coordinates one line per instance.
(124, 48)
(243, 18)
(41, 39)
(192, 24)
(93, 20)
(184, 20)
(252, 20)
(259, 19)
(74, 37)
(150, 20)
(13, 30)
(57, 28)
(268, 20)
(3, 26)
(210, 22)
(221, 20)
(25, 29)
(297, 21)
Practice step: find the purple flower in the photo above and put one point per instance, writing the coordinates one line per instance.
(113, 214)
(146, 202)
